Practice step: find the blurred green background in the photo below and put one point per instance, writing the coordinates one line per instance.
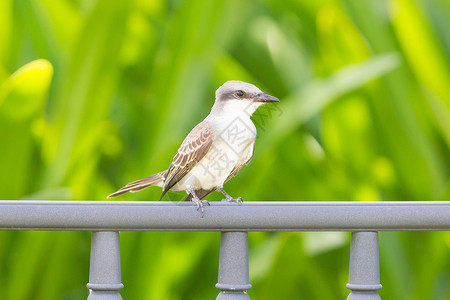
(94, 94)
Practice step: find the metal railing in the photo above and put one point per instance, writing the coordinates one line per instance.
(106, 219)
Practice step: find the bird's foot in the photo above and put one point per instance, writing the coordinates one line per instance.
(200, 205)
(228, 198)
(231, 199)
(198, 202)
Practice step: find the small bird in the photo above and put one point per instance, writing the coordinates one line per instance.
(215, 150)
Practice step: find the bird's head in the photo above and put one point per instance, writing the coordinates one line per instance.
(239, 96)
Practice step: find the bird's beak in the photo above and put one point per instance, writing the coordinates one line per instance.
(263, 98)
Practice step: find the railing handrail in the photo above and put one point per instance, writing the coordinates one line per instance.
(107, 218)
(220, 216)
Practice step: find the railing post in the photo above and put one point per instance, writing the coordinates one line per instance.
(364, 275)
(104, 275)
(233, 266)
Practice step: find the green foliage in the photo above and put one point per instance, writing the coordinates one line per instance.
(94, 94)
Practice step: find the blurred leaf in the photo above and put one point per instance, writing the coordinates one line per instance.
(426, 58)
(302, 105)
(262, 257)
(5, 33)
(316, 243)
(50, 194)
(404, 116)
(307, 102)
(23, 94)
(87, 89)
(22, 98)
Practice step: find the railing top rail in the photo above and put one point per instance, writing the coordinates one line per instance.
(220, 216)
(218, 203)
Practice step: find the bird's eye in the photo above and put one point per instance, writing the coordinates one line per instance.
(239, 93)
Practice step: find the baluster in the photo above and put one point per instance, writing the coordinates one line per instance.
(364, 275)
(233, 266)
(104, 275)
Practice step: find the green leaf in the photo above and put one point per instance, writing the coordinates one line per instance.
(23, 94)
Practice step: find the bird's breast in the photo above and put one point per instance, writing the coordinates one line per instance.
(231, 139)
(233, 135)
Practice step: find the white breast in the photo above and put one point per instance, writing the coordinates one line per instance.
(234, 134)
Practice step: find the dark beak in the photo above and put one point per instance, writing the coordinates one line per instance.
(264, 98)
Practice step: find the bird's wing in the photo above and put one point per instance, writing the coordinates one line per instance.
(191, 151)
(245, 158)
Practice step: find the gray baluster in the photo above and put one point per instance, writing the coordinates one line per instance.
(364, 275)
(104, 276)
(233, 266)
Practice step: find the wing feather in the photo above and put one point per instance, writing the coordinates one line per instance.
(191, 151)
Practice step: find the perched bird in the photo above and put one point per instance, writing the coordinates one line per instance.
(215, 150)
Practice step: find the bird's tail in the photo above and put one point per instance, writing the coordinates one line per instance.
(135, 186)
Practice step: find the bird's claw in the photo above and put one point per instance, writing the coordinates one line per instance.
(231, 199)
(199, 203)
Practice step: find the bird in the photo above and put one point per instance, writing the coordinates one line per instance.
(215, 150)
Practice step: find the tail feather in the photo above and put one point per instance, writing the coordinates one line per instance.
(140, 184)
